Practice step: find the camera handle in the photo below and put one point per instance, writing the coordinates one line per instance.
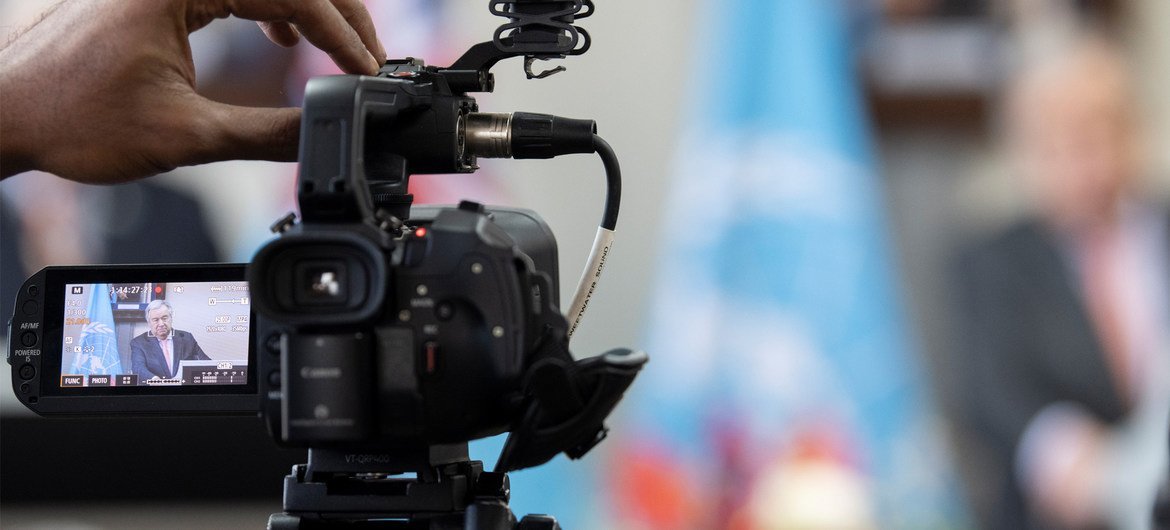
(348, 489)
(423, 103)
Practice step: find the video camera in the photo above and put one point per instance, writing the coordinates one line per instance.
(383, 337)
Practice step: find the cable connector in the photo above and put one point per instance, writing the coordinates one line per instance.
(526, 135)
(546, 136)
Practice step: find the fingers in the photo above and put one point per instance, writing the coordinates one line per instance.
(341, 28)
(328, 29)
(230, 132)
(358, 17)
(281, 33)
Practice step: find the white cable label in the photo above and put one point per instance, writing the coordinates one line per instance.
(589, 277)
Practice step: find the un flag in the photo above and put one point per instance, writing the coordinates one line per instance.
(99, 344)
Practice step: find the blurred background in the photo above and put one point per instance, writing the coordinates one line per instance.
(897, 263)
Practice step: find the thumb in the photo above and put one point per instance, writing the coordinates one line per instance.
(231, 132)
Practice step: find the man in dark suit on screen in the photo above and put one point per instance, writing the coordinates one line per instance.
(156, 353)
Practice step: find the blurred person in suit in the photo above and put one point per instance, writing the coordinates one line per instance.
(1065, 351)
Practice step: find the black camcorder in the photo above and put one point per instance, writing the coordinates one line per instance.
(380, 335)
(434, 326)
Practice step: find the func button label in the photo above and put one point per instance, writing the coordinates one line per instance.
(72, 380)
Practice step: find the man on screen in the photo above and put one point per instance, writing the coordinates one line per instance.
(156, 352)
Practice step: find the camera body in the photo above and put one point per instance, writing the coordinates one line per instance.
(386, 325)
(401, 327)
(419, 338)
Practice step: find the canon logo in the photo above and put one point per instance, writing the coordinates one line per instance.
(320, 372)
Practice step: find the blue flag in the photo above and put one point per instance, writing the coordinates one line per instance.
(784, 391)
(98, 343)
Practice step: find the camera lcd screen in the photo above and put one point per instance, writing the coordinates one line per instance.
(162, 334)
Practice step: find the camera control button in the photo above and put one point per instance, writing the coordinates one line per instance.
(31, 307)
(28, 339)
(445, 311)
(28, 371)
(272, 344)
(431, 357)
(274, 379)
(34, 290)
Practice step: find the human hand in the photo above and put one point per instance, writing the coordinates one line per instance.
(103, 91)
(1065, 481)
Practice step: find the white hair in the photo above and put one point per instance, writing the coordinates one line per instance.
(155, 304)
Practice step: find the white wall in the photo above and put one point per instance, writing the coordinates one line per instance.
(1149, 22)
(631, 81)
